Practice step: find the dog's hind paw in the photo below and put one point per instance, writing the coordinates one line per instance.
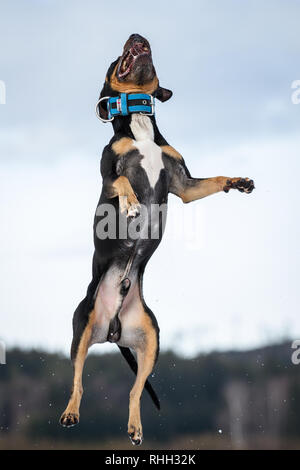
(135, 435)
(69, 420)
(244, 185)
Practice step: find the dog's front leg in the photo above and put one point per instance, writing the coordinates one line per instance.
(122, 188)
(190, 189)
(194, 188)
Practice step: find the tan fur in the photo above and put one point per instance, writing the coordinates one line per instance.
(146, 354)
(171, 152)
(72, 410)
(130, 87)
(123, 146)
(203, 188)
(127, 198)
(122, 187)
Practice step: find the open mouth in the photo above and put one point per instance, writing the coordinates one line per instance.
(136, 51)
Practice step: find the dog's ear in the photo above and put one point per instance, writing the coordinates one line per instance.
(163, 94)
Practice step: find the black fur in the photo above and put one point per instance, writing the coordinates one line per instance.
(130, 256)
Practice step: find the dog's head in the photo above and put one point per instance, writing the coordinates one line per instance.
(133, 72)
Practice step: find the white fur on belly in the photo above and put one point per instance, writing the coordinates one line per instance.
(152, 162)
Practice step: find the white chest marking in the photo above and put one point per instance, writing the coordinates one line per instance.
(142, 129)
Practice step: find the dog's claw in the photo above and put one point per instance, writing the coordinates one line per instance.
(69, 420)
(136, 442)
(136, 437)
(244, 185)
(129, 206)
(133, 210)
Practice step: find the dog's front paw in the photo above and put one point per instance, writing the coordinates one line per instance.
(244, 185)
(135, 435)
(133, 210)
(129, 205)
(69, 419)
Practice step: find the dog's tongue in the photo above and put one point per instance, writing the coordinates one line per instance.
(126, 64)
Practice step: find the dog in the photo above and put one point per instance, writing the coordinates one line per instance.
(139, 169)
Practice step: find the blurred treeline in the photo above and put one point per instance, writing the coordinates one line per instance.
(220, 400)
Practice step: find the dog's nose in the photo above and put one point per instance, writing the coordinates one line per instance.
(136, 37)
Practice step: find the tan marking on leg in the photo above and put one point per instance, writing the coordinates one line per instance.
(70, 417)
(123, 146)
(171, 152)
(127, 199)
(122, 187)
(146, 354)
(203, 188)
(131, 87)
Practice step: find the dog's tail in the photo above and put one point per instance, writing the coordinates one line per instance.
(127, 354)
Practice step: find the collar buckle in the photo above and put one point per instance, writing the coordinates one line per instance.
(97, 110)
(152, 104)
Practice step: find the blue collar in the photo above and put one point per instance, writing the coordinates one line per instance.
(126, 104)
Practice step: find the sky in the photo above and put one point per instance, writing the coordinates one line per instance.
(226, 274)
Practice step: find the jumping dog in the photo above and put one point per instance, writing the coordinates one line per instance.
(139, 169)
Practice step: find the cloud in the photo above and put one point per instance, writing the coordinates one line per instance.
(230, 66)
(226, 63)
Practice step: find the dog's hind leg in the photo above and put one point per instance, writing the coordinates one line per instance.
(146, 357)
(82, 327)
(129, 357)
(140, 332)
(95, 321)
(83, 321)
